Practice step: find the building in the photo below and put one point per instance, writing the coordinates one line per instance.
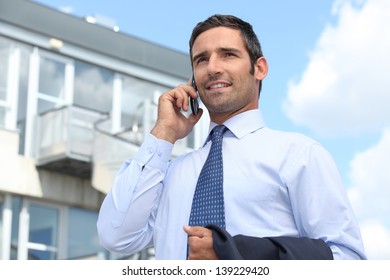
(76, 100)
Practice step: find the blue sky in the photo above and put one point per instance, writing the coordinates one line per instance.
(328, 79)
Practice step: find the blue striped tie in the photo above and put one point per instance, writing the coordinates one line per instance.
(208, 204)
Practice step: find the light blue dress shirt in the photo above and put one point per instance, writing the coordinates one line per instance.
(275, 184)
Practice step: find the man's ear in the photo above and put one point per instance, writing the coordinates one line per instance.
(261, 68)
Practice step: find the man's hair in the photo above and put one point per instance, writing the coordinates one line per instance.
(249, 37)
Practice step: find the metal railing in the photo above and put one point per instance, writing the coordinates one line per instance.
(64, 139)
(81, 142)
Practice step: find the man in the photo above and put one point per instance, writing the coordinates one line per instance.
(282, 194)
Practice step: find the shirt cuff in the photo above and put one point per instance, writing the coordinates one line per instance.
(154, 152)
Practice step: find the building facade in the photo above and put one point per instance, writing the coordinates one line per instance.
(76, 100)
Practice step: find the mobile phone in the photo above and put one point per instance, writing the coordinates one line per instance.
(194, 101)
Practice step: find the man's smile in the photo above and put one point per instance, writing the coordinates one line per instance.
(217, 85)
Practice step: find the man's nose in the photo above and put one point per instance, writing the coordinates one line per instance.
(214, 66)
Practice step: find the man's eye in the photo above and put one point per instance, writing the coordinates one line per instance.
(201, 59)
(230, 54)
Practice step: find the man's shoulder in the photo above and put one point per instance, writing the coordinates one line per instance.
(289, 137)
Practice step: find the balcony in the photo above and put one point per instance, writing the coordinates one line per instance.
(111, 151)
(65, 139)
(79, 142)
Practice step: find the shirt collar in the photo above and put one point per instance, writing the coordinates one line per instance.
(242, 124)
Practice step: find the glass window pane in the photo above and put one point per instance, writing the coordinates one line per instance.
(44, 105)
(51, 77)
(139, 109)
(16, 206)
(93, 87)
(134, 94)
(2, 116)
(25, 52)
(40, 255)
(43, 230)
(82, 233)
(4, 57)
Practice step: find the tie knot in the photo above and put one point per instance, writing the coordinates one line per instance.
(218, 131)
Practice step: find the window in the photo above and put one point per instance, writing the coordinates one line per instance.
(51, 86)
(51, 77)
(4, 57)
(16, 206)
(54, 232)
(138, 106)
(93, 87)
(3, 111)
(5, 46)
(83, 241)
(139, 99)
(25, 52)
(43, 232)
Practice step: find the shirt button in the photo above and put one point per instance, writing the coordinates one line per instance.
(150, 150)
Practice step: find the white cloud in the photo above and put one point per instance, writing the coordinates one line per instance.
(345, 87)
(376, 240)
(370, 180)
(369, 192)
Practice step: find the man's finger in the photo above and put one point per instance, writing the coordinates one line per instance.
(197, 231)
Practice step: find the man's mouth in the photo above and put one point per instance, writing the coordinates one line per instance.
(217, 85)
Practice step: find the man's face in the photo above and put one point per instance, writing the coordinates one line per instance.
(222, 72)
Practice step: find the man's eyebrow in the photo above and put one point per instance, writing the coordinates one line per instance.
(219, 50)
(224, 50)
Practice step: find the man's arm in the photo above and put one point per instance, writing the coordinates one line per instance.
(127, 213)
(320, 203)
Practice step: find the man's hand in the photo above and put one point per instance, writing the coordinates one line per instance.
(200, 241)
(171, 124)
